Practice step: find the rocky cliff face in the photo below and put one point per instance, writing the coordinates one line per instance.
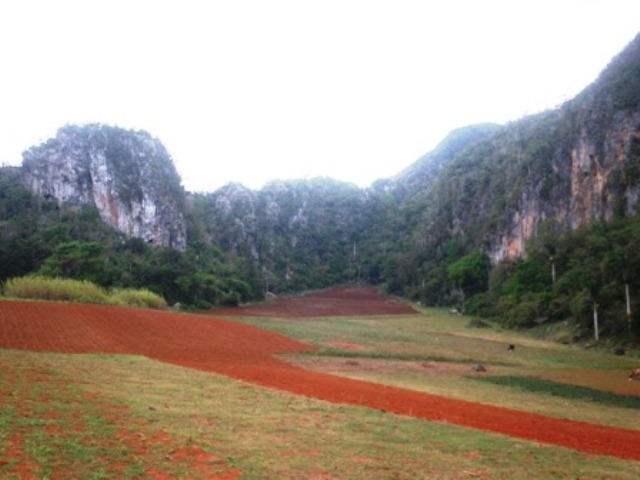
(300, 233)
(127, 175)
(575, 164)
(592, 178)
(592, 171)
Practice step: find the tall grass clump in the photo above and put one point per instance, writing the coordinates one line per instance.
(137, 298)
(55, 289)
(80, 291)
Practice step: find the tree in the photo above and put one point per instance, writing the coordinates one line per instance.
(588, 264)
(622, 262)
(470, 274)
(79, 260)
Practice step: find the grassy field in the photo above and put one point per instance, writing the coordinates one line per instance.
(435, 352)
(99, 416)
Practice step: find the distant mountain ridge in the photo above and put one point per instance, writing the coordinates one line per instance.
(427, 167)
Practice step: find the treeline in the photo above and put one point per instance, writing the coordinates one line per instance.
(589, 277)
(40, 237)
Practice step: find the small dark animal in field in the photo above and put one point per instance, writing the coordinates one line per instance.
(635, 375)
(478, 367)
(511, 348)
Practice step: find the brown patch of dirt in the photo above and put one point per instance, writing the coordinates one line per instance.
(341, 301)
(15, 452)
(250, 354)
(347, 346)
(374, 365)
(204, 463)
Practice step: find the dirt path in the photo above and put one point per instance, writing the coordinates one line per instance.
(249, 354)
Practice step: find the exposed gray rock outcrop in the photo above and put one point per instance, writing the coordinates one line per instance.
(128, 176)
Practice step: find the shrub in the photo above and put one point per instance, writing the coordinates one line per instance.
(56, 289)
(137, 298)
(69, 290)
(230, 299)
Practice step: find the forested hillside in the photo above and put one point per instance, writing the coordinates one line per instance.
(41, 236)
(529, 223)
(554, 193)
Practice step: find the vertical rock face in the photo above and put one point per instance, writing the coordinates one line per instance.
(574, 164)
(127, 175)
(600, 171)
(596, 177)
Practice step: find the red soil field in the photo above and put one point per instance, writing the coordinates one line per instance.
(249, 354)
(342, 301)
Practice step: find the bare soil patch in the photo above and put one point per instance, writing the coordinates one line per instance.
(250, 354)
(342, 301)
(347, 346)
(375, 365)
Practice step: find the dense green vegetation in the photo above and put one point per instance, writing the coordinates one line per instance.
(565, 277)
(293, 236)
(289, 236)
(571, 276)
(437, 223)
(40, 236)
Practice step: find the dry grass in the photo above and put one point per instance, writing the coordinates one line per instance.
(141, 298)
(80, 291)
(55, 289)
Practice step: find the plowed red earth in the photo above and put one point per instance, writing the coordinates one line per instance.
(249, 354)
(343, 301)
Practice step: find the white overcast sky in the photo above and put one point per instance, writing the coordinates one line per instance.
(251, 91)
